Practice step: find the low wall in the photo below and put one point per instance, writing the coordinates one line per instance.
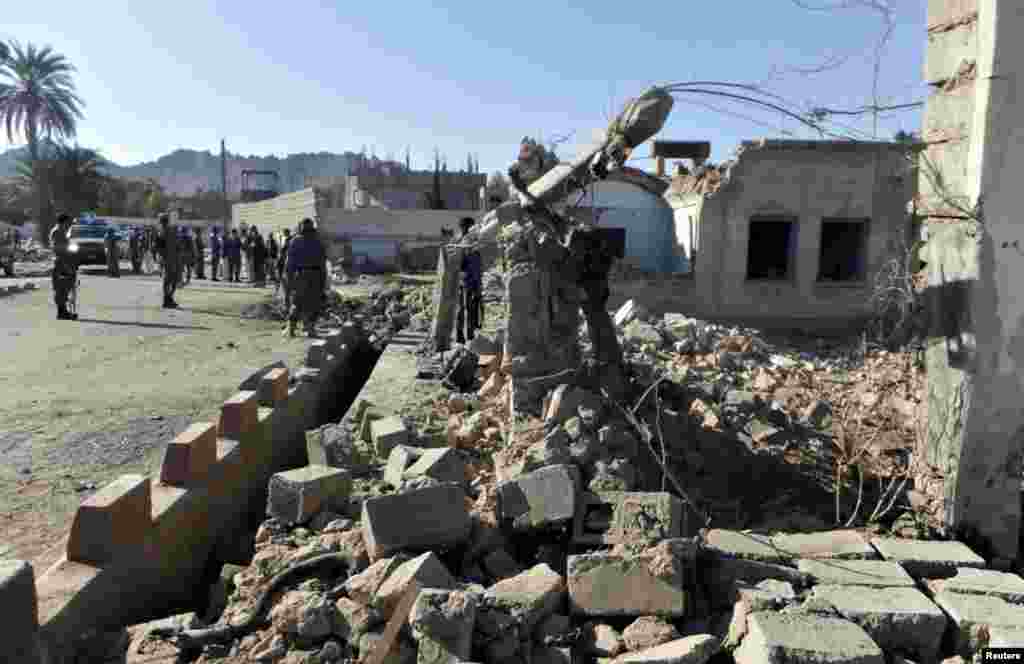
(276, 214)
(138, 549)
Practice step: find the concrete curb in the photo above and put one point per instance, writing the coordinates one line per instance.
(138, 549)
(14, 289)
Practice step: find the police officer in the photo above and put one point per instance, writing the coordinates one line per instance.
(65, 267)
(167, 244)
(307, 277)
(216, 249)
(467, 321)
(200, 253)
(281, 276)
(135, 250)
(233, 254)
(188, 255)
(113, 259)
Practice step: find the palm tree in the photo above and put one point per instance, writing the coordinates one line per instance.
(5, 52)
(38, 99)
(73, 173)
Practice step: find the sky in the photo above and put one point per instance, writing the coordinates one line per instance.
(463, 77)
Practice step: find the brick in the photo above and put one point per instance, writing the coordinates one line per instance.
(973, 615)
(442, 623)
(316, 354)
(609, 517)
(438, 512)
(541, 499)
(928, 559)
(294, 496)
(895, 618)
(652, 583)
(868, 573)
(839, 544)
(971, 581)
(696, 649)
(947, 49)
(190, 456)
(112, 523)
(387, 432)
(21, 613)
(238, 415)
(400, 458)
(947, 11)
(273, 388)
(530, 597)
(801, 638)
(424, 571)
(748, 546)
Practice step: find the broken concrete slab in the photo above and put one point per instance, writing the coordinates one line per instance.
(438, 512)
(972, 581)
(801, 638)
(354, 619)
(333, 445)
(974, 615)
(541, 499)
(868, 573)
(647, 632)
(553, 627)
(600, 640)
(565, 402)
(651, 583)
(400, 458)
(113, 522)
(724, 575)
(696, 649)
(840, 544)
(529, 597)
(363, 586)
(443, 464)
(895, 618)
(1006, 637)
(501, 565)
(21, 613)
(381, 649)
(743, 545)
(425, 571)
(294, 496)
(387, 432)
(442, 623)
(621, 516)
(927, 559)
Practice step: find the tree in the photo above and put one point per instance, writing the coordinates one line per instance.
(155, 200)
(75, 182)
(906, 137)
(5, 52)
(38, 100)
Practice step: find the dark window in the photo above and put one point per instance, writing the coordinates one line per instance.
(843, 254)
(770, 248)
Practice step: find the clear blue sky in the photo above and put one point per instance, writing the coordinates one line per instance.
(463, 76)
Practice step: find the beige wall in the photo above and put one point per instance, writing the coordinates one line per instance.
(276, 214)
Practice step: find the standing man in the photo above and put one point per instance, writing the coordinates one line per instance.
(200, 253)
(233, 253)
(307, 276)
(272, 254)
(65, 267)
(167, 245)
(188, 255)
(259, 257)
(245, 238)
(135, 250)
(216, 249)
(113, 259)
(467, 321)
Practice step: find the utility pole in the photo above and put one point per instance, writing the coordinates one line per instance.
(224, 184)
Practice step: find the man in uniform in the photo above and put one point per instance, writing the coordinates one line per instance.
(307, 277)
(188, 252)
(282, 278)
(233, 254)
(216, 249)
(113, 259)
(467, 321)
(135, 250)
(200, 253)
(65, 267)
(168, 246)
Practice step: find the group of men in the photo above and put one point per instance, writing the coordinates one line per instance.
(300, 264)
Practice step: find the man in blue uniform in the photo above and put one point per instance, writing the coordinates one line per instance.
(307, 278)
(467, 321)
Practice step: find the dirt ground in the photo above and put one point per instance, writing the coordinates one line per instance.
(83, 402)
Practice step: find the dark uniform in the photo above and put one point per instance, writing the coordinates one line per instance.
(135, 250)
(167, 243)
(65, 268)
(216, 249)
(467, 320)
(233, 254)
(281, 275)
(113, 259)
(259, 257)
(200, 254)
(307, 278)
(188, 254)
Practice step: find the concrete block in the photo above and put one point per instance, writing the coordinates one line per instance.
(722, 576)
(800, 638)
(443, 464)
(652, 583)
(840, 544)
(648, 631)
(21, 613)
(974, 615)
(928, 559)
(425, 571)
(529, 597)
(946, 12)
(189, 457)
(696, 649)
(609, 517)
(600, 640)
(112, 523)
(363, 586)
(566, 400)
(442, 623)
(501, 565)
(543, 498)
(273, 388)
(952, 159)
(867, 573)
(949, 114)
(400, 458)
(316, 354)
(947, 49)
(438, 512)
(748, 546)
(334, 445)
(895, 618)
(238, 415)
(1006, 637)
(971, 581)
(294, 496)
(387, 432)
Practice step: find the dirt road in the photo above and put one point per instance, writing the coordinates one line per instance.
(82, 402)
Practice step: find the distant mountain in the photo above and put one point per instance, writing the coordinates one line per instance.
(182, 172)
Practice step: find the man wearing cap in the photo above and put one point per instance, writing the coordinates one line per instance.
(307, 277)
(167, 243)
